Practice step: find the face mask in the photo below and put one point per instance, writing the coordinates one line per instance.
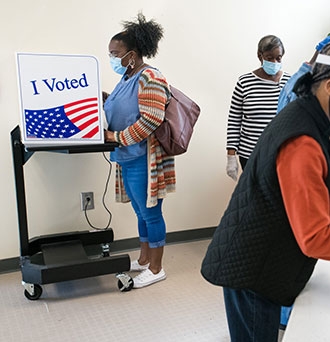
(271, 68)
(116, 65)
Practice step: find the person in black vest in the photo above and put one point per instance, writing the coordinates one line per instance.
(287, 95)
(277, 222)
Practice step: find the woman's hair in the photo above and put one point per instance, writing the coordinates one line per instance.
(141, 36)
(309, 82)
(268, 43)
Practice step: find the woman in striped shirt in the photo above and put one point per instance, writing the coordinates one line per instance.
(254, 103)
(134, 109)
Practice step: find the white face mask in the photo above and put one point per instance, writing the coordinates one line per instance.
(116, 65)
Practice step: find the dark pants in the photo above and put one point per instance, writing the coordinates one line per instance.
(250, 317)
(243, 162)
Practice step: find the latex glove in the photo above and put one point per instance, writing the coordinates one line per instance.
(322, 43)
(232, 166)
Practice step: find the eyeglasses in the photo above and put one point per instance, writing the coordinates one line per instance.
(112, 55)
(115, 54)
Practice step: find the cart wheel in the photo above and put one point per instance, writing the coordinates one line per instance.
(37, 293)
(125, 282)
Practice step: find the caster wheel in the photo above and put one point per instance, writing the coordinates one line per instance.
(125, 282)
(37, 293)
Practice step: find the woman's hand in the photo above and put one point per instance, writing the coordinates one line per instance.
(109, 136)
(104, 96)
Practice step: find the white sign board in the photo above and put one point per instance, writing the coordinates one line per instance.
(60, 99)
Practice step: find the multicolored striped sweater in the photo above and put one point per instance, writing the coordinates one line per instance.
(153, 94)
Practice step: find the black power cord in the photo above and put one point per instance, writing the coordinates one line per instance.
(103, 199)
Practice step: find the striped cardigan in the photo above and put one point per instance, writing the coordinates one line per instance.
(153, 94)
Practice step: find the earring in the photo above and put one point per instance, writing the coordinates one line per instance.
(131, 63)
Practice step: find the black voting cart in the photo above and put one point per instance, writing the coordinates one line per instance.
(66, 256)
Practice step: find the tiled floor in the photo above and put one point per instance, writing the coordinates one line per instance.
(184, 307)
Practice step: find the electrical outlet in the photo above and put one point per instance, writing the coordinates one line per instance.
(87, 200)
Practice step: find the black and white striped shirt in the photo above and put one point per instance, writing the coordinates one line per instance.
(253, 106)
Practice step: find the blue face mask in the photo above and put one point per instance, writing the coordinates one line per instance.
(271, 68)
(116, 65)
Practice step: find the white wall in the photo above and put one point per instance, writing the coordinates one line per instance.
(207, 45)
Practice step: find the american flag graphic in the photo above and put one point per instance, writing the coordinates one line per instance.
(77, 119)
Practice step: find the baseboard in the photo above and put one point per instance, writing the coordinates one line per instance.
(12, 264)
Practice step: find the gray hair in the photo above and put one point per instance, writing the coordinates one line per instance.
(270, 42)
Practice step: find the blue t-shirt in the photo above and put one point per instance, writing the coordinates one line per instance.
(122, 110)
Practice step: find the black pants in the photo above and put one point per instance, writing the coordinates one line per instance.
(243, 162)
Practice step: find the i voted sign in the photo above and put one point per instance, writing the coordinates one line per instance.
(60, 99)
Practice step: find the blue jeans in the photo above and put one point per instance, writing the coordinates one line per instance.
(250, 317)
(151, 224)
(285, 315)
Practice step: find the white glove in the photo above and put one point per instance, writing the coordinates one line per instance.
(232, 166)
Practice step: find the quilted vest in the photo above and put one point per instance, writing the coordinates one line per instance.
(254, 247)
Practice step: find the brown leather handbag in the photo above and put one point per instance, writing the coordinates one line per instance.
(175, 132)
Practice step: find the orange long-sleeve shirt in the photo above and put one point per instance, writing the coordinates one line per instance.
(302, 170)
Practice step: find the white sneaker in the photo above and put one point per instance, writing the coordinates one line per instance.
(147, 278)
(135, 266)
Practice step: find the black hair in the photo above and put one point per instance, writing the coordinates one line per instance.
(309, 82)
(270, 42)
(141, 36)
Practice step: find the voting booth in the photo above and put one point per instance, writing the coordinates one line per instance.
(60, 112)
